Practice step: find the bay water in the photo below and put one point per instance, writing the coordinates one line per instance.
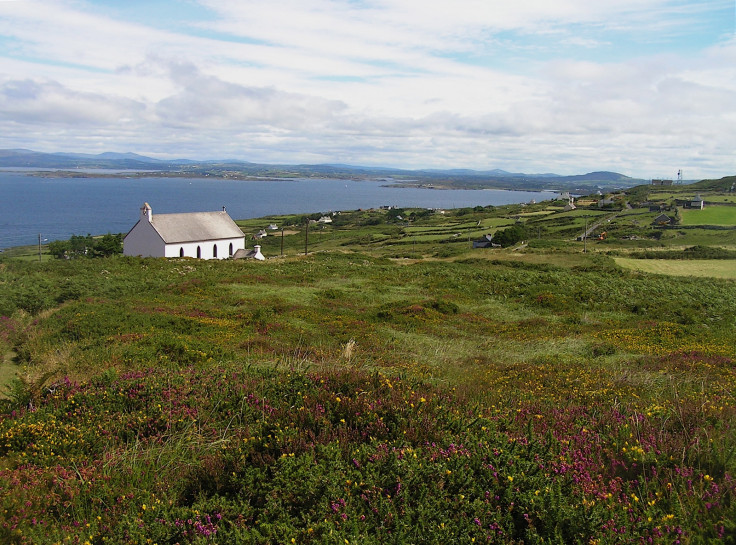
(56, 208)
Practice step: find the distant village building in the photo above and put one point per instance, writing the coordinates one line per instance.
(272, 227)
(325, 219)
(260, 234)
(204, 235)
(663, 219)
(696, 202)
(485, 242)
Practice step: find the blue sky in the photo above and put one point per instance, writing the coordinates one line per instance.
(642, 87)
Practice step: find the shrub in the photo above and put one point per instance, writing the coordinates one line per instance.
(510, 235)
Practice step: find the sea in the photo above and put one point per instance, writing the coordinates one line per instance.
(55, 208)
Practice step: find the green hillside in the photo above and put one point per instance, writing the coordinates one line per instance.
(722, 184)
(394, 385)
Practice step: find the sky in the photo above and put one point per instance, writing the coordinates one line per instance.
(640, 87)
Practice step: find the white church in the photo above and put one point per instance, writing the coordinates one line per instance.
(204, 235)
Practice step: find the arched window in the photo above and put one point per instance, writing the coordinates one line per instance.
(181, 252)
(214, 251)
(199, 252)
(231, 248)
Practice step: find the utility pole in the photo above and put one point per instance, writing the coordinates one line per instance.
(282, 242)
(585, 236)
(39, 247)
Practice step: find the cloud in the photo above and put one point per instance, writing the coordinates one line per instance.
(207, 102)
(48, 102)
(528, 85)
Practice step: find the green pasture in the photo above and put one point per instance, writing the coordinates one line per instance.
(538, 213)
(583, 213)
(710, 215)
(693, 237)
(668, 194)
(26, 253)
(723, 198)
(712, 268)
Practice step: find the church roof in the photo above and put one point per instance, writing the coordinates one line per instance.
(195, 226)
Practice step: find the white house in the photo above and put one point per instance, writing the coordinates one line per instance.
(204, 235)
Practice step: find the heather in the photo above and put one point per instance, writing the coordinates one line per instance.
(232, 455)
(348, 397)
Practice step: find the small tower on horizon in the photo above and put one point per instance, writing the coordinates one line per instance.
(679, 176)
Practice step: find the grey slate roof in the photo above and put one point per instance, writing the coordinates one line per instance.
(195, 226)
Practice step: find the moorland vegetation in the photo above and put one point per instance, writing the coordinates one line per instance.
(393, 385)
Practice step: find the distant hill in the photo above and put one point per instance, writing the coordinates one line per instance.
(724, 184)
(34, 159)
(600, 177)
(441, 178)
(112, 156)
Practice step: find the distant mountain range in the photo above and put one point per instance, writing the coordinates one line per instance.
(35, 159)
(441, 178)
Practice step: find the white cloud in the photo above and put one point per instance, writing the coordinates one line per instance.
(530, 85)
(34, 102)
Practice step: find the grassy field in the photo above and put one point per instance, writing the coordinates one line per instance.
(393, 386)
(723, 268)
(710, 215)
(27, 253)
(726, 198)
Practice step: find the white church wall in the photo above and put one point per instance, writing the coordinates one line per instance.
(206, 248)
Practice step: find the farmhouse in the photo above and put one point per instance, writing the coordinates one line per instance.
(204, 235)
(485, 242)
(664, 219)
(696, 202)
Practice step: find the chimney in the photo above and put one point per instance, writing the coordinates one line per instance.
(223, 209)
(257, 253)
(146, 212)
